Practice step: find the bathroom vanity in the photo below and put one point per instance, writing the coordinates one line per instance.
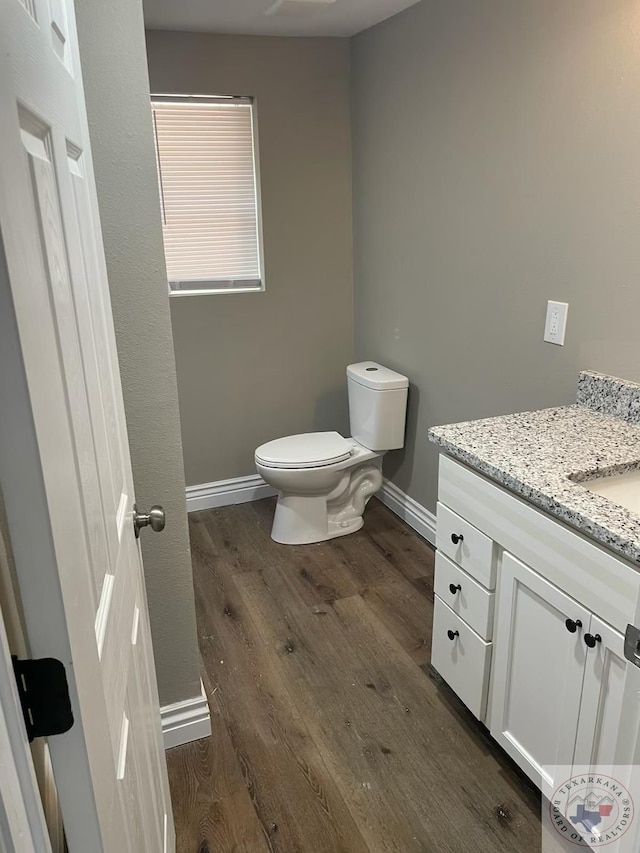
(537, 580)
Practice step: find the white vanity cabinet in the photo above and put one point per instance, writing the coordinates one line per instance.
(541, 659)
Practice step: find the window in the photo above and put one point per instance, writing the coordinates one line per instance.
(209, 193)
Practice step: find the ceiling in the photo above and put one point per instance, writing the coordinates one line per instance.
(246, 17)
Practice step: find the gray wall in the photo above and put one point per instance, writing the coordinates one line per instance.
(252, 367)
(117, 93)
(496, 163)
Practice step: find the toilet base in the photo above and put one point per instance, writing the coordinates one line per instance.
(301, 520)
(304, 519)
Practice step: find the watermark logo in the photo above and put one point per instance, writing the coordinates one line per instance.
(591, 810)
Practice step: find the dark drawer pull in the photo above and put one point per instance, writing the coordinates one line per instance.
(456, 538)
(452, 634)
(591, 640)
(454, 587)
(573, 625)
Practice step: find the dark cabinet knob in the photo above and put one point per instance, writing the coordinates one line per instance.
(592, 639)
(454, 587)
(573, 625)
(456, 537)
(453, 634)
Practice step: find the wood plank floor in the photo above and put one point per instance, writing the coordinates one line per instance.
(330, 732)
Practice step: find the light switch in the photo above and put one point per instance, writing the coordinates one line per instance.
(556, 322)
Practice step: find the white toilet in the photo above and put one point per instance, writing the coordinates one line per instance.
(324, 480)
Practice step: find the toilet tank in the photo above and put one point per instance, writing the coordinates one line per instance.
(377, 405)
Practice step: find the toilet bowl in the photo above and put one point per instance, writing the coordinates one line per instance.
(320, 497)
(324, 480)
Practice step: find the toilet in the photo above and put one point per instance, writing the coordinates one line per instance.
(324, 480)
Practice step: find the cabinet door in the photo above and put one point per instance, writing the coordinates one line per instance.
(608, 741)
(609, 723)
(537, 673)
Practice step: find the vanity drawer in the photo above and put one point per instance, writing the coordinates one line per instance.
(463, 661)
(466, 545)
(464, 596)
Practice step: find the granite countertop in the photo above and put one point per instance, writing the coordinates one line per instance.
(544, 456)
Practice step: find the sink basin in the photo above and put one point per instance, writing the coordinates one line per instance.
(622, 489)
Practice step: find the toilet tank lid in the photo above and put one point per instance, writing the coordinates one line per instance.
(374, 375)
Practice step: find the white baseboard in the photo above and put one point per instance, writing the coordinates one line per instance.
(227, 492)
(253, 488)
(409, 510)
(185, 721)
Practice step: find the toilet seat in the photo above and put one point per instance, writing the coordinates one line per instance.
(307, 450)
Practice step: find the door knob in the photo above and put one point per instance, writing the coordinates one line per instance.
(452, 634)
(573, 625)
(591, 640)
(155, 519)
(456, 538)
(454, 587)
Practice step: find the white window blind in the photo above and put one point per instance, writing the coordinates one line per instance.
(208, 193)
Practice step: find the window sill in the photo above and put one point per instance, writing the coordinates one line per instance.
(210, 289)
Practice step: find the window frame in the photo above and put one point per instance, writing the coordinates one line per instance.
(176, 287)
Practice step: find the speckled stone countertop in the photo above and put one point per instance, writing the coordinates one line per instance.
(543, 456)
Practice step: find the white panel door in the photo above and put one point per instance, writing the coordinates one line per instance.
(64, 460)
(609, 724)
(608, 740)
(537, 673)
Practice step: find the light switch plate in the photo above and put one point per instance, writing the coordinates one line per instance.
(556, 322)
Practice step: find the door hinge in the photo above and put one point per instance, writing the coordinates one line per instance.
(44, 696)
